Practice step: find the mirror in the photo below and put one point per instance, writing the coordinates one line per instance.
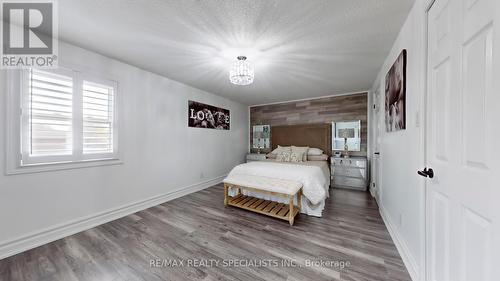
(261, 136)
(350, 131)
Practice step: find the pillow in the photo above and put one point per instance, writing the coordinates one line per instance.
(296, 156)
(271, 155)
(283, 156)
(281, 148)
(322, 157)
(301, 149)
(314, 151)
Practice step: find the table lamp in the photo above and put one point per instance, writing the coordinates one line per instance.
(346, 134)
(258, 135)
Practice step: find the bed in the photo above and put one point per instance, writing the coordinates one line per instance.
(313, 175)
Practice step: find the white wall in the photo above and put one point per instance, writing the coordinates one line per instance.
(402, 201)
(161, 156)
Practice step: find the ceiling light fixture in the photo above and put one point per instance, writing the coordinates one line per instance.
(242, 72)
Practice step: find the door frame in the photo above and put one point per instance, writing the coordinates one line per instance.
(425, 118)
(375, 137)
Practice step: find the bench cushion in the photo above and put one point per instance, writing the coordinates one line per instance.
(265, 183)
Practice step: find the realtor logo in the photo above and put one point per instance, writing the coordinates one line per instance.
(29, 34)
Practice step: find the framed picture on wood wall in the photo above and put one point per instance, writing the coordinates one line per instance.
(395, 95)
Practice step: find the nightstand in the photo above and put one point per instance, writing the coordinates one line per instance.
(255, 157)
(349, 172)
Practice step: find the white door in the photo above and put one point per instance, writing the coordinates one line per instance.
(463, 141)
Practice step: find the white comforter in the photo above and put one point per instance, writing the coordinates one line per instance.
(314, 182)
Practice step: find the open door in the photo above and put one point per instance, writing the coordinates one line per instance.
(462, 135)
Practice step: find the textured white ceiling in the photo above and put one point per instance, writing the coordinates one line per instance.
(300, 48)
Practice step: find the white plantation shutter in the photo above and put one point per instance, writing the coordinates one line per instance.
(98, 101)
(66, 116)
(50, 114)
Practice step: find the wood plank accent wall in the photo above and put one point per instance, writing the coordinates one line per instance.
(323, 110)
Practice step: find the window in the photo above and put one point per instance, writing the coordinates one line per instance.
(97, 118)
(50, 109)
(66, 116)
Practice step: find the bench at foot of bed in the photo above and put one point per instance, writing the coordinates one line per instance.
(276, 187)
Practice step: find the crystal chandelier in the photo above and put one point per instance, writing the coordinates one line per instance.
(242, 72)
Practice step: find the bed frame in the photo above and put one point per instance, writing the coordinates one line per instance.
(311, 135)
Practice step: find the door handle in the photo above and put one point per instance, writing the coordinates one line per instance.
(377, 153)
(426, 173)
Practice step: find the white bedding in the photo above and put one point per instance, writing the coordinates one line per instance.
(314, 176)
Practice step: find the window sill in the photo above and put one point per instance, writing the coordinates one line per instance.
(48, 167)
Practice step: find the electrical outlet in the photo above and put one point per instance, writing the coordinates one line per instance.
(417, 119)
(400, 220)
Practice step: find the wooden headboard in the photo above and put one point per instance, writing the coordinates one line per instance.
(312, 135)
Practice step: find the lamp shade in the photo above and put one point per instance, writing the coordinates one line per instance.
(258, 135)
(346, 133)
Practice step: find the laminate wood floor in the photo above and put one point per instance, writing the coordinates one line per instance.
(350, 242)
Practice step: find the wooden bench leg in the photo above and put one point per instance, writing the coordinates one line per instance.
(290, 211)
(299, 200)
(225, 193)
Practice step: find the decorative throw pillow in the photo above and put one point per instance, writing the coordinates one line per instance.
(314, 151)
(283, 156)
(281, 148)
(301, 149)
(296, 156)
(271, 155)
(322, 157)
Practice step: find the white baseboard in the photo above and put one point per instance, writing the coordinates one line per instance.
(33, 240)
(404, 252)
